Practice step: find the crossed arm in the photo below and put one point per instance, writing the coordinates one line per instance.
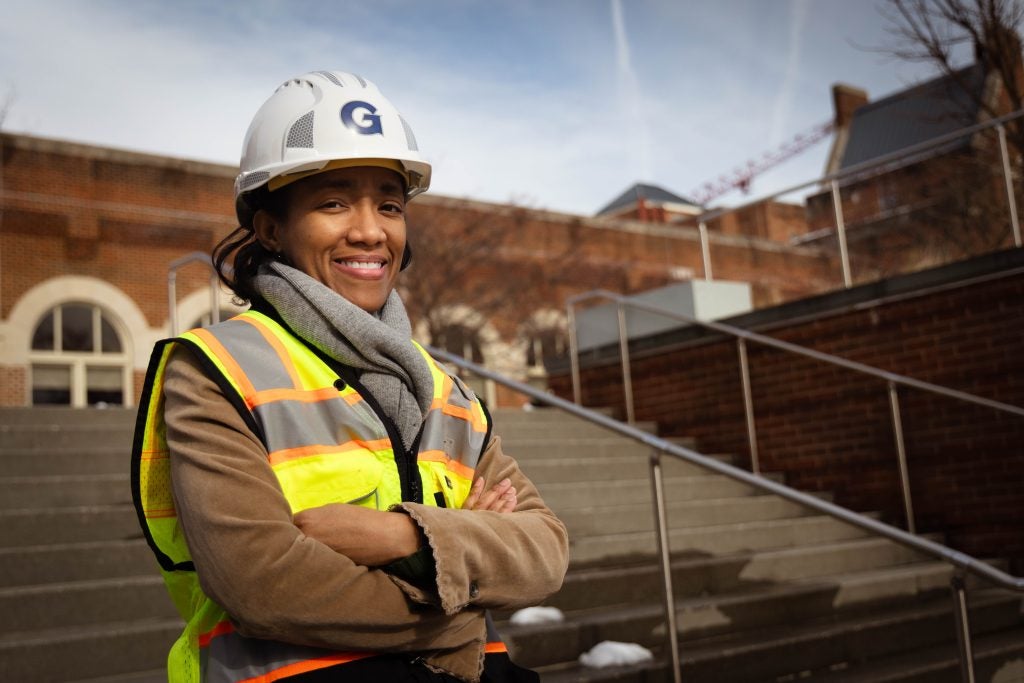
(374, 538)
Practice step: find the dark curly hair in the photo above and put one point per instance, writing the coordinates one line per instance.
(238, 257)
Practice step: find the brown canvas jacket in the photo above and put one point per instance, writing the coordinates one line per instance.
(279, 584)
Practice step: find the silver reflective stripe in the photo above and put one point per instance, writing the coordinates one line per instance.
(452, 435)
(230, 657)
(257, 358)
(292, 424)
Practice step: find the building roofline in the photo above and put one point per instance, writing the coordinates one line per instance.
(124, 156)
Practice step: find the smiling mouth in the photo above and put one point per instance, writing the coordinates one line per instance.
(362, 265)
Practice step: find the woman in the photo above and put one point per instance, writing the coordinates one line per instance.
(326, 503)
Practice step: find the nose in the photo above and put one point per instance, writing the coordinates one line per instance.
(366, 225)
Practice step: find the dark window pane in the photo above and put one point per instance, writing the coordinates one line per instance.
(76, 327)
(105, 397)
(42, 338)
(51, 397)
(51, 385)
(108, 337)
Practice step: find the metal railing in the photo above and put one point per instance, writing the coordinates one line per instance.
(962, 563)
(874, 167)
(893, 381)
(172, 291)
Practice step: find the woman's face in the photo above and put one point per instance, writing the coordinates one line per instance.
(345, 228)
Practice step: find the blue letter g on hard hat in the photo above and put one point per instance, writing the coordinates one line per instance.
(361, 117)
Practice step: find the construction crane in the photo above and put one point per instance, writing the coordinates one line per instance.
(741, 178)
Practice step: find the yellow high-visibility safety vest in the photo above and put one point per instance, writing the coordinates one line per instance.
(325, 443)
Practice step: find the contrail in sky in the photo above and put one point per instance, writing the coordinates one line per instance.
(784, 100)
(629, 90)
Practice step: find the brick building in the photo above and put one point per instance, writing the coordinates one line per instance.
(87, 235)
(937, 206)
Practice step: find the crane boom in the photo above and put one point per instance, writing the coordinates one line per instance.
(743, 176)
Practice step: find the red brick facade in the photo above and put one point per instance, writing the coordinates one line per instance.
(102, 226)
(828, 429)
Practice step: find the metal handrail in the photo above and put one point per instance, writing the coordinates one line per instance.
(892, 379)
(965, 564)
(172, 288)
(900, 157)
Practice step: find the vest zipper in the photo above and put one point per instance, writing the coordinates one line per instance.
(405, 459)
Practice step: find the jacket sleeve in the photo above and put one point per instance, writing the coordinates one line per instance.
(273, 581)
(496, 560)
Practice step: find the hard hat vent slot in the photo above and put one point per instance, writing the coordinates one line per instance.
(253, 179)
(301, 132)
(410, 139)
(360, 79)
(329, 76)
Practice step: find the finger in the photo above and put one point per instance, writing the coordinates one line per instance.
(473, 498)
(490, 499)
(509, 501)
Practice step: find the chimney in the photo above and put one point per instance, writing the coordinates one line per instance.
(845, 100)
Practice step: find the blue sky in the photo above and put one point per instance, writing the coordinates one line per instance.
(549, 104)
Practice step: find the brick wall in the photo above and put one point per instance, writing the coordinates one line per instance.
(828, 429)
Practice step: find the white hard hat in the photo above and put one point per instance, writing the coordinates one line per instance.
(323, 120)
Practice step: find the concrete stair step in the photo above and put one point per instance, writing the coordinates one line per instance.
(66, 490)
(151, 676)
(57, 563)
(853, 649)
(61, 437)
(31, 462)
(694, 576)
(68, 525)
(76, 653)
(569, 466)
(616, 519)
(998, 658)
(768, 606)
(68, 417)
(77, 603)
(563, 496)
(715, 540)
(823, 645)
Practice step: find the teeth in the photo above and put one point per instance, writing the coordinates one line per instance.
(363, 265)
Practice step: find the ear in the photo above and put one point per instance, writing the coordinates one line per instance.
(268, 231)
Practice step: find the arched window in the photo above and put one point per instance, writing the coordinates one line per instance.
(78, 359)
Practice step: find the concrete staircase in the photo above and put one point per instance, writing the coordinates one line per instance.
(765, 591)
(79, 589)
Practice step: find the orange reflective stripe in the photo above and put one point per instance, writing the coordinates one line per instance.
(275, 343)
(495, 648)
(286, 454)
(244, 385)
(218, 630)
(466, 414)
(272, 395)
(308, 665)
(449, 464)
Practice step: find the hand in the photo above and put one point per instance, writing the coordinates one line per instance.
(371, 538)
(500, 498)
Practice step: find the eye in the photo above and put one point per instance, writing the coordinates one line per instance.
(392, 207)
(331, 204)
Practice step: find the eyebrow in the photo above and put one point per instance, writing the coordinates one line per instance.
(388, 186)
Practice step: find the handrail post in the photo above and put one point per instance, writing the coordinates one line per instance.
(665, 556)
(901, 456)
(1011, 201)
(574, 353)
(627, 375)
(844, 255)
(172, 301)
(748, 405)
(214, 303)
(963, 627)
(705, 249)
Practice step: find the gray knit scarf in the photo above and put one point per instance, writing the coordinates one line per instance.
(380, 346)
